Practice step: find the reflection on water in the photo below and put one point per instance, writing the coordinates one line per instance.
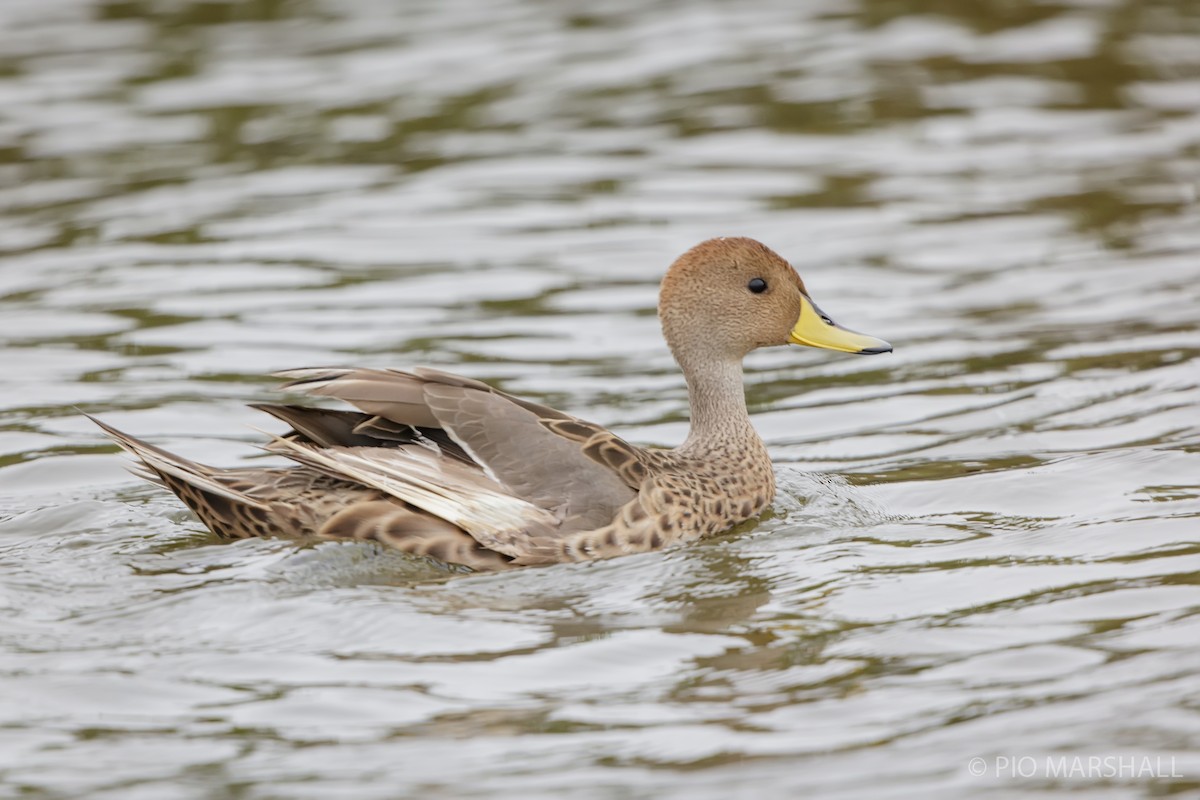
(985, 545)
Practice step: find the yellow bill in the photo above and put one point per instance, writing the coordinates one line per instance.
(816, 329)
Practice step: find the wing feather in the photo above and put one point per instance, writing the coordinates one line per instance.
(514, 441)
(458, 493)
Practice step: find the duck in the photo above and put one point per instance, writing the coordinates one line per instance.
(451, 469)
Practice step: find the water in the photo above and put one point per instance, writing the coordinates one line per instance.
(985, 545)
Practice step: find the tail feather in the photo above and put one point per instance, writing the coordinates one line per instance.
(170, 468)
(411, 497)
(140, 471)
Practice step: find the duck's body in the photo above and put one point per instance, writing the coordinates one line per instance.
(440, 465)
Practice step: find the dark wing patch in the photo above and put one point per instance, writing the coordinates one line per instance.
(323, 426)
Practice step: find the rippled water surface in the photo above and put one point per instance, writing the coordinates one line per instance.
(985, 545)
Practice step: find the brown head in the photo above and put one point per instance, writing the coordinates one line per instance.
(728, 296)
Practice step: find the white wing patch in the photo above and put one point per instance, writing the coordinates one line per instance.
(456, 492)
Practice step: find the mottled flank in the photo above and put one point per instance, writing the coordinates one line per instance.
(446, 467)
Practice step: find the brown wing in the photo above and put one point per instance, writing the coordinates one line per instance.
(394, 394)
(507, 436)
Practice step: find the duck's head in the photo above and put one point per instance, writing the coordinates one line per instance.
(726, 297)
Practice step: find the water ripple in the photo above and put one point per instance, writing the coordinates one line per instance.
(984, 546)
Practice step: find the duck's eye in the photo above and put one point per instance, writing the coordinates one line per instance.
(757, 285)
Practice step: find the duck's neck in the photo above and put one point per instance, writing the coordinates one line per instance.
(718, 401)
